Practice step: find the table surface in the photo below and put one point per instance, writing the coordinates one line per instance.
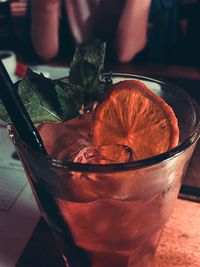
(180, 242)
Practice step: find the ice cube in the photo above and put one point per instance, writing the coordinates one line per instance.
(104, 154)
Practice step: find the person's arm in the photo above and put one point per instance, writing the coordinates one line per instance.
(44, 27)
(131, 35)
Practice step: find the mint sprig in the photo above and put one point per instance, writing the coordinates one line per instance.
(86, 69)
(46, 100)
(51, 101)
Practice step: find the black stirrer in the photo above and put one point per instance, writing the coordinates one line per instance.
(18, 114)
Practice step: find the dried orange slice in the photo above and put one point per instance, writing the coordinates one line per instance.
(133, 115)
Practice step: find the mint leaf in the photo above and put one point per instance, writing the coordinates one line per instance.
(46, 100)
(70, 97)
(49, 101)
(86, 68)
(52, 101)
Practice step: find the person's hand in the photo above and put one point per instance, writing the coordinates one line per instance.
(131, 35)
(44, 27)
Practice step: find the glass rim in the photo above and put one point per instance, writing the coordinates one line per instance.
(138, 164)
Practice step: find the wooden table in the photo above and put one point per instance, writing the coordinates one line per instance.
(180, 243)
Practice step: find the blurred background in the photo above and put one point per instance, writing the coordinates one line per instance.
(180, 46)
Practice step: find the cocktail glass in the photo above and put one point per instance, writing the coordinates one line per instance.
(114, 214)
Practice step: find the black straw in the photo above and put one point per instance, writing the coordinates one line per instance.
(18, 114)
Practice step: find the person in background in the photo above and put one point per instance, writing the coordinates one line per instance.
(122, 24)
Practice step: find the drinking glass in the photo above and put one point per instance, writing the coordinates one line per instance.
(113, 214)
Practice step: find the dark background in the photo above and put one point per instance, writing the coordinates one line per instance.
(180, 19)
